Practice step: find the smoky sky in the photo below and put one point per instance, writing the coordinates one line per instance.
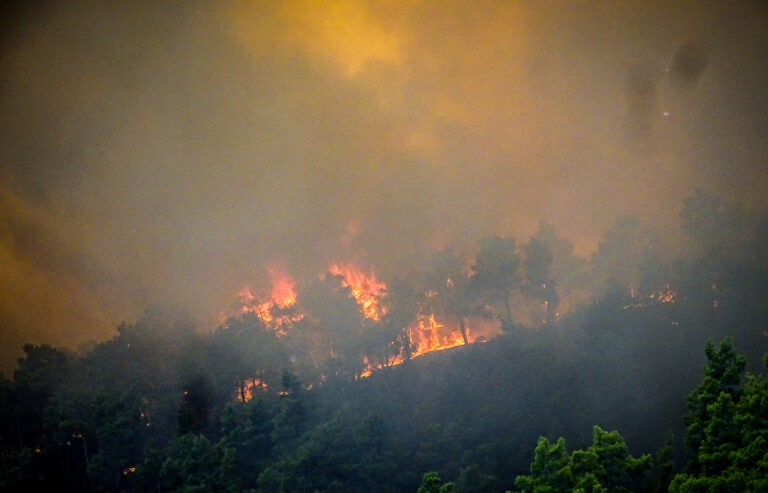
(170, 151)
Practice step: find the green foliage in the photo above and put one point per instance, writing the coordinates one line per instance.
(194, 464)
(604, 466)
(247, 430)
(551, 469)
(665, 465)
(722, 375)
(431, 483)
(728, 428)
(344, 454)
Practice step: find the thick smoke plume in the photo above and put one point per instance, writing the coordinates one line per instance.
(154, 152)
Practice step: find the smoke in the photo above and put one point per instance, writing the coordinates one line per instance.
(170, 152)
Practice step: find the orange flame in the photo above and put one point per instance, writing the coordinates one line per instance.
(283, 287)
(283, 295)
(366, 289)
(247, 389)
(429, 336)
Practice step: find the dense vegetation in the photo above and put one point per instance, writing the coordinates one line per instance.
(164, 407)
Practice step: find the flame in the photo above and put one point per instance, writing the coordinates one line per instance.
(369, 368)
(429, 336)
(366, 289)
(664, 295)
(247, 389)
(283, 287)
(283, 295)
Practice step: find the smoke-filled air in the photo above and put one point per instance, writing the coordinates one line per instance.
(295, 202)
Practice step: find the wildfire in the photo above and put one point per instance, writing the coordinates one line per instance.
(366, 289)
(283, 295)
(428, 331)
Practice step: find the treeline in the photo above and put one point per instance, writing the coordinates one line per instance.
(726, 431)
(613, 340)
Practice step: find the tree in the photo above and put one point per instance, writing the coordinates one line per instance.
(241, 351)
(616, 469)
(333, 322)
(431, 483)
(194, 464)
(448, 290)
(400, 308)
(247, 429)
(567, 270)
(40, 373)
(344, 454)
(727, 428)
(622, 254)
(192, 416)
(722, 374)
(604, 466)
(665, 464)
(293, 416)
(540, 284)
(551, 469)
(496, 271)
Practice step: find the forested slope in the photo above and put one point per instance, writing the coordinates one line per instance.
(330, 395)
